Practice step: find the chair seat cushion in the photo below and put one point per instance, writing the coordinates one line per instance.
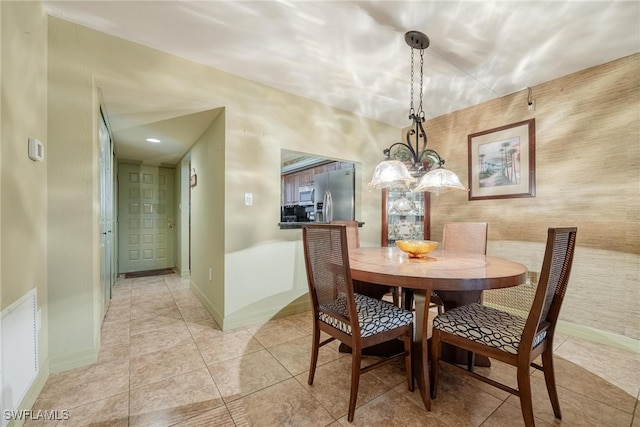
(485, 325)
(374, 316)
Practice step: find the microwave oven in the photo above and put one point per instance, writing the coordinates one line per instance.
(305, 196)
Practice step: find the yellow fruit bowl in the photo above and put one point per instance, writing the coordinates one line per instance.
(416, 248)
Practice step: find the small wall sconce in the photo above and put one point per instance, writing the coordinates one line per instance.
(531, 103)
(193, 180)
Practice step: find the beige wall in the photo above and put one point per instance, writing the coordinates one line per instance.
(207, 218)
(239, 153)
(587, 175)
(73, 205)
(23, 199)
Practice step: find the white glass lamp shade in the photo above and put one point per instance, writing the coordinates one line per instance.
(439, 181)
(391, 174)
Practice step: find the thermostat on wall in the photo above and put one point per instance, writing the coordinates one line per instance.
(36, 150)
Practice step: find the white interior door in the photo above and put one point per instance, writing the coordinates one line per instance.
(106, 213)
(145, 218)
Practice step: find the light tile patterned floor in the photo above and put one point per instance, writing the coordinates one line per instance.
(163, 362)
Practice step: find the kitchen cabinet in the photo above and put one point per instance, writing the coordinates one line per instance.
(291, 184)
(293, 181)
(405, 216)
(306, 176)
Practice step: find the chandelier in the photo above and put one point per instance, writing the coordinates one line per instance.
(426, 171)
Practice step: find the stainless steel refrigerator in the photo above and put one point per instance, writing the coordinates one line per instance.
(334, 191)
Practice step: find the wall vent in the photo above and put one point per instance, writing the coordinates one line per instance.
(19, 349)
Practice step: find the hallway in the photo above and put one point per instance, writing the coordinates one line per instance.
(163, 362)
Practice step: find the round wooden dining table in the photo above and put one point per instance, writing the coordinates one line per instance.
(458, 278)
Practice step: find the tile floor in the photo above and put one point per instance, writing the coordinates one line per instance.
(163, 362)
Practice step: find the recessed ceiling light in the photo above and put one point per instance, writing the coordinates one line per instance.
(154, 140)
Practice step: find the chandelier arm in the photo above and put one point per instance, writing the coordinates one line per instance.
(418, 132)
(434, 154)
(387, 151)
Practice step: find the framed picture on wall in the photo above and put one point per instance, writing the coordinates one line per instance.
(502, 162)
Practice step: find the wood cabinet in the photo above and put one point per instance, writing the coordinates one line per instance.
(293, 181)
(291, 184)
(405, 216)
(306, 177)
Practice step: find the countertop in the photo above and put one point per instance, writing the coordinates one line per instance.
(292, 225)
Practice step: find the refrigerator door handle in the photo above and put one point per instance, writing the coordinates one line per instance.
(327, 206)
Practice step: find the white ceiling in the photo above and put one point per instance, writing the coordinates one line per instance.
(352, 55)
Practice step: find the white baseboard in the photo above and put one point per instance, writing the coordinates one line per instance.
(269, 313)
(251, 316)
(77, 360)
(598, 336)
(217, 316)
(185, 274)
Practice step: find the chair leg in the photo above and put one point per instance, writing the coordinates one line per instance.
(395, 293)
(435, 361)
(356, 354)
(526, 404)
(408, 363)
(315, 346)
(471, 360)
(437, 302)
(407, 296)
(550, 380)
(424, 356)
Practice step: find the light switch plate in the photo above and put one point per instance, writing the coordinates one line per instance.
(248, 199)
(36, 150)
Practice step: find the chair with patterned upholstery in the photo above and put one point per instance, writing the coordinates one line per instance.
(369, 289)
(356, 320)
(509, 338)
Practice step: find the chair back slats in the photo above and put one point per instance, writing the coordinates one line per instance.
(552, 286)
(563, 261)
(328, 271)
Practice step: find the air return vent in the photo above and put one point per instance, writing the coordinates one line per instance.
(19, 344)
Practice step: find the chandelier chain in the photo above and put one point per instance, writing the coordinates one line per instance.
(411, 99)
(420, 111)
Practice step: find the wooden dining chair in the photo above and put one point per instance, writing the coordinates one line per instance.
(468, 237)
(510, 338)
(356, 320)
(353, 234)
(369, 289)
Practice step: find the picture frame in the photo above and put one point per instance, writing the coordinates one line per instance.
(502, 162)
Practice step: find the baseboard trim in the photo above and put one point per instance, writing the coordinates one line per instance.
(185, 274)
(77, 360)
(217, 316)
(598, 336)
(262, 316)
(585, 332)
